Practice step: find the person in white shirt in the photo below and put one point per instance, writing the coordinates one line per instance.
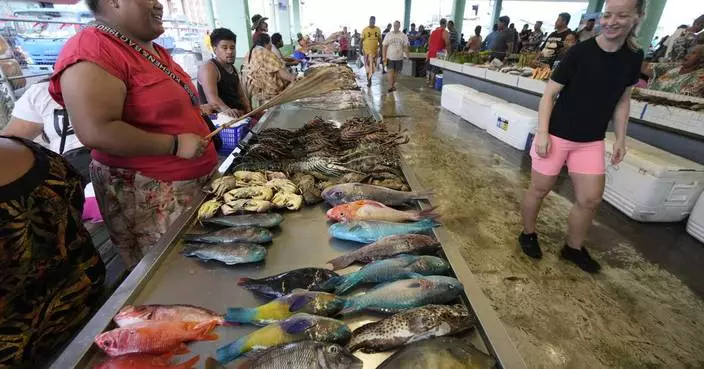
(36, 116)
(395, 47)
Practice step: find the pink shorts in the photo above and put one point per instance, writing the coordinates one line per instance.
(581, 157)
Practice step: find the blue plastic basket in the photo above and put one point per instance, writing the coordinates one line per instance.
(438, 82)
(232, 136)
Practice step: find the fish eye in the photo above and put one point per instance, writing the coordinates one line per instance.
(333, 350)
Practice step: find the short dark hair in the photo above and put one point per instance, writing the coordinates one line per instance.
(92, 5)
(443, 22)
(565, 17)
(477, 30)
(220, 34)
(276, 37)
(591, 20)
(262, 39)
(505, 19)
(413, 24)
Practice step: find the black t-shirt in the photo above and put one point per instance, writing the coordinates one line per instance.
(553, 45)
(594, 82)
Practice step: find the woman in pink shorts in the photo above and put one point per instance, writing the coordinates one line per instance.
(589, 88)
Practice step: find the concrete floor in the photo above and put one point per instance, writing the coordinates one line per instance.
(644, 310)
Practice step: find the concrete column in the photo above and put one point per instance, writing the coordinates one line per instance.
(406, 15)
(595, 6)
(458, 14)
(210, 13)
(649, 25)
(495, 13)
(296, 10)
(234, 14)
(283, 20)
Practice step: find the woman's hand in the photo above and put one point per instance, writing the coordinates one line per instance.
(619, 150)
(190, 146)
(542, 144)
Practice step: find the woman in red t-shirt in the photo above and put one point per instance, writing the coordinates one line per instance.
(143, 124)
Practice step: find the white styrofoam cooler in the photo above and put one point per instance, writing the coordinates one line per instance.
(652, 185)
(695, 225)
(452, 96)
(477, 109)
(512, 124)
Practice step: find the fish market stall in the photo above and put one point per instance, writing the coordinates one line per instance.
(166, 276)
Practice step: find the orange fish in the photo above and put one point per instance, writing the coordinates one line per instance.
(140, 361)
(373, 210)
(154, 337)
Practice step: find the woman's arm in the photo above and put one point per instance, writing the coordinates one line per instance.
(286, 75)
(22, 128)
(620, 119)
(547, 102)
(96, 115)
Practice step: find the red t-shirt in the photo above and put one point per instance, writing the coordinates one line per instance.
(436, 42)
(154, 102)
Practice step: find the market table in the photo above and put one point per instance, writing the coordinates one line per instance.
(672, 129)
(166, 277)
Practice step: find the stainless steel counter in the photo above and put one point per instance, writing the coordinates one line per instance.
(166, 277)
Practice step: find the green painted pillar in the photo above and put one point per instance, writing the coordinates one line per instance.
(595, 6)
(296, 8)
(407, 15)
(495, 13)
(649, 25)
(210, 13)
(458, 14)
(234, 14)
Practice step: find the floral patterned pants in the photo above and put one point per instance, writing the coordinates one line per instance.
(138, 210)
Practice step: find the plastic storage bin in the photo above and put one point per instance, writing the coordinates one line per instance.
(453, 95)
(438, 82)
(652, 185)
(695, 225)
(512, 124)
(477, 109)
(232, 136)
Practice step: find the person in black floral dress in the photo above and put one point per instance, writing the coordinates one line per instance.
(51, 276)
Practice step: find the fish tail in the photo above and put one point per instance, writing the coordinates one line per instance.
(351, 305)
(244, 281)
(428, 223)
(231, 351)
(341, 261)
(236, 316)
(189, 363)
(332, 283)
(422, 195)
(428, 213)
(347, 283)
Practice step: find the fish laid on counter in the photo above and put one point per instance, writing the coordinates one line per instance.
(306, 183)
(284, 283)
(246, 206)
(440, 352)
(298, 355)
(233, 234)
(373, 210)
(227, 253)
(410, 326)
(130, 314)
(371, 231)
(388, 270)
(139, 361)
(349, 192)
(299, 301)
(254, 193)
(275, 175)
(154, 337)
(287, 200)
(244, 178)
(282, 185)
(267, 220)
(405, 294)
(209, 209)
(219, 186)
(387, 247)
(299, 327)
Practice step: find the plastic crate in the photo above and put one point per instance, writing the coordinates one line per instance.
(438, 82)
(232, 136)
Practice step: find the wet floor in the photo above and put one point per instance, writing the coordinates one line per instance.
(644, 310)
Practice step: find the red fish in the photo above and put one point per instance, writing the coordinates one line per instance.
(373, 210)
(129, 314)
(140, 361)
(154, 337)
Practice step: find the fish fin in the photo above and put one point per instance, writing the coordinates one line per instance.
(244, 281)
(188, 364)
(351, 306)
(428, 213)
(331, 283)
(240, 315)
(429, 223)
(296, 325)
(348, 282)
(373, 203)
(211, 363)
(341, 261)
(231, 351)
(422, 195)
(298, 302)
(354, 228)
(182, 350)
(413, 276)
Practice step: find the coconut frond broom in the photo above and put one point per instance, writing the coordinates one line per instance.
(315, 84)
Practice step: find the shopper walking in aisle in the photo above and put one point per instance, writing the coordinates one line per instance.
(50, 273)
(137, 109)
(502, 42)
(588, 31)
(602, 70)
(259, 25)
(555, 41)
(475, 43)
(536, 38)
(454, 37)
(218, 81)
(395, 48)
(439, 41)
(343, 39)
(371, 43)
(383, 36)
